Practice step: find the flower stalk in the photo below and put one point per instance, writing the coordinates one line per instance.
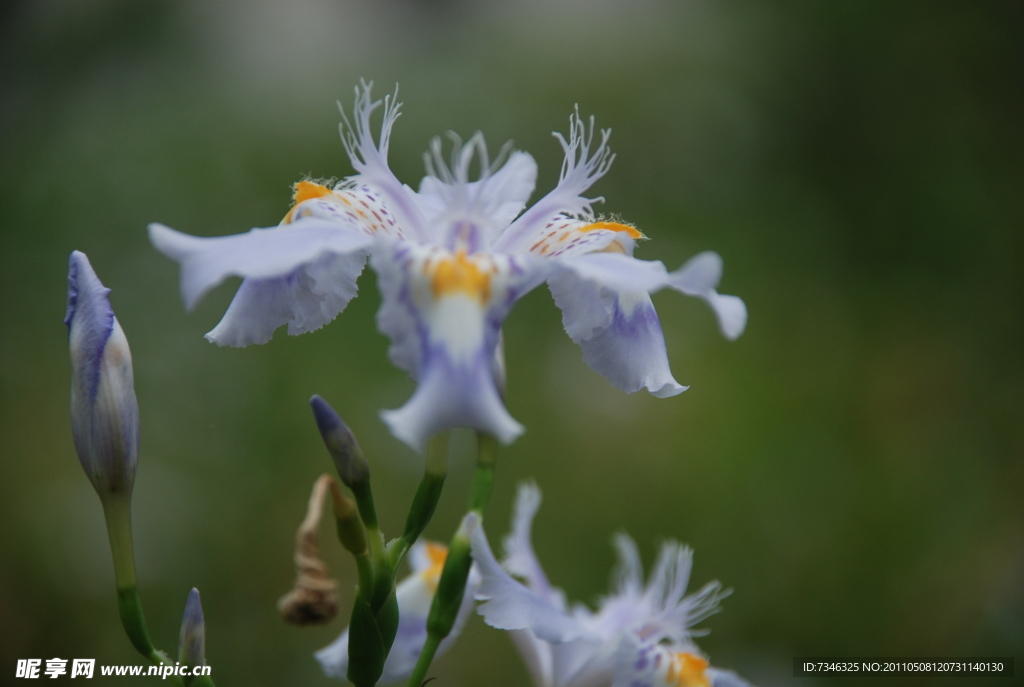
(375, 613)
(444, 608)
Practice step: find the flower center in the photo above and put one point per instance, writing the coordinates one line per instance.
(461, 272)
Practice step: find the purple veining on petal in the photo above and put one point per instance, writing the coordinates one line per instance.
(88, 312)
(464, 234)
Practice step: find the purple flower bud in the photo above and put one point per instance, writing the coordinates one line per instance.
(104, 412)
(341, 444)
(192, 639)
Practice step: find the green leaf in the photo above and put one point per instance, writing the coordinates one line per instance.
(366, 650)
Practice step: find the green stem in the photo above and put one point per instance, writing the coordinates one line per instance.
(117, 511)
(427, 496)
(365, 570)
(419, 673)
(452, 585)
(380, 565)
(483, 478)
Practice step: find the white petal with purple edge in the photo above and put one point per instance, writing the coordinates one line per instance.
(620, 334)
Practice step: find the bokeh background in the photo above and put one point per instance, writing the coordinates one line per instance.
(852, 466)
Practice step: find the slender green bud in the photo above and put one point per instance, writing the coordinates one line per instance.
(192, 638)
(341, 444)
(450, 589)
(351, 532)
(104, 412)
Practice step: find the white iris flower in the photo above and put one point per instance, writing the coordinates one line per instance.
(452, 259)
(639, 637)
(414, 595)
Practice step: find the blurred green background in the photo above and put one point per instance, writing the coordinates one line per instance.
(852, 466)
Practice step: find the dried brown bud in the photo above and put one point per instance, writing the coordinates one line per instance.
(313, 600)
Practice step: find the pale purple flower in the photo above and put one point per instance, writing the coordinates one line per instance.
(104, 412)
(640, 636)
(452, 259)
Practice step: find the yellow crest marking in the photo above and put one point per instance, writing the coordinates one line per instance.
(687, 670)
(633, 232)
(436, 554)
(461, 273)
(306, 190)
(303, 191)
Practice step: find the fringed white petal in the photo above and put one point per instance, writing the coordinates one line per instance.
(628, 574)
(509, 605)
(580, 169)
(370, 159)
(699, 277)
(260, 253)
(306, 299)
(520, 558)
(670, 576)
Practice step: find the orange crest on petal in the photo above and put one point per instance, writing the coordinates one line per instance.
(633, 232)
(687, 670)
(461, 273)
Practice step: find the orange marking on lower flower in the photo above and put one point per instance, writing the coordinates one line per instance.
(687, 670)
(436, 554)
(633, 232)
(461, 273)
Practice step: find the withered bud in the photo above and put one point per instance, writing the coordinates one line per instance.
(313, 600)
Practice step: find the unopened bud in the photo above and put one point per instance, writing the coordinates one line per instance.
(341, 444)
(192, 639)
(104, 412)
(351, 532)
